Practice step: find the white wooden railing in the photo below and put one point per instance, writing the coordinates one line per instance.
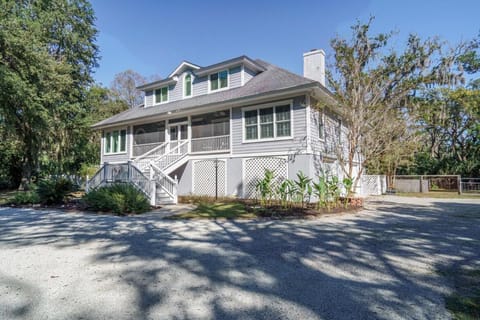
(142, 149)
(172, 156)
(144, 160)
(211, 144)
(169, 185)
(120, 173)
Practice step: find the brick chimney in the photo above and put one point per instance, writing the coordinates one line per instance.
(314, 65)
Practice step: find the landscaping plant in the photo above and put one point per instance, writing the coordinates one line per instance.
(348, 184)
(285, 192)
(320, 190)
(25, 197)
(264, 187)
(303, 188)
(117, 198)
(54, 191)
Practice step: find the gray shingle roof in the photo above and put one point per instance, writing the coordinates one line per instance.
(273, 79)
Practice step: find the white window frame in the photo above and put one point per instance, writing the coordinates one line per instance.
(184, 85)
(219, 89)
(155, 102)
(111, 141)
(321, 119)
(338, 130)
(265, 106)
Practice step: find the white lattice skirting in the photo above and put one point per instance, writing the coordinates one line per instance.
(204, 177)
(254, 170)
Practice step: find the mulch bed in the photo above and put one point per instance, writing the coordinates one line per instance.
(277, 211)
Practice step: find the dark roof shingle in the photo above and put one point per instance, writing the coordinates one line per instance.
(272, 79)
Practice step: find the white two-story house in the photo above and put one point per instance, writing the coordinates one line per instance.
(214, 130)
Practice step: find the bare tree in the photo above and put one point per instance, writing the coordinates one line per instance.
(124, 87)
(373, 85)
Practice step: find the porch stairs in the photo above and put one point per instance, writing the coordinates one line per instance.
(152, 168)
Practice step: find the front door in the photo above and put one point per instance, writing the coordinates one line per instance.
(178, 133)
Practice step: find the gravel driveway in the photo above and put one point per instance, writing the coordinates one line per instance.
(383, 263)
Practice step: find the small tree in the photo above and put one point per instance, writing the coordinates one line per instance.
(373, 85)
(124, 87)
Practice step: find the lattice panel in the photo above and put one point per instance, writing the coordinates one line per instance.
(254, 170)
(204, 177)
(373, 184)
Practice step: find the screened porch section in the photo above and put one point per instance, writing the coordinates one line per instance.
(205, 133)
(211, 132)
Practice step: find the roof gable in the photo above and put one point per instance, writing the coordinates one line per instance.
(182, 67)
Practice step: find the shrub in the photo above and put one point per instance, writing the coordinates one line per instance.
(25, 197)
(54, 191)
(118, 198)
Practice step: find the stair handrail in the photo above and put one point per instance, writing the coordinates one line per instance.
(140, 157)
(165, 176)
(171, 151)
(92, 183)
(138, 179)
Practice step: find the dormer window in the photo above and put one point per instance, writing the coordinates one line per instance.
(219, 80)
(161, 95)
(187, 85)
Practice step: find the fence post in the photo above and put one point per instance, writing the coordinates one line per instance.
(129, 171)
(105, 170)
(421, 184)
(153, 188)
(176, 190)
(459, 181)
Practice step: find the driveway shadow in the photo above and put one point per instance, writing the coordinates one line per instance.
(379, 264)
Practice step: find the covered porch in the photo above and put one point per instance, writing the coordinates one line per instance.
(201, 134)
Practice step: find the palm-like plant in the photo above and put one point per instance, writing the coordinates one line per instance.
(302, 183)
(264, 187)
(320, 190)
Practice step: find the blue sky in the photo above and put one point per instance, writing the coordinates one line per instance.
(153, 37)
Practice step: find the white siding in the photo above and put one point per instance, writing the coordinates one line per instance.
(248, 75)
(200, 86)
(235, 75)
(149, 98)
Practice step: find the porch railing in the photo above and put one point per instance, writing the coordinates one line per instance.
(147, 148)
(210, 144)
(120, 173)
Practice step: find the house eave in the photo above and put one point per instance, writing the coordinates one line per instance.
(232, 63)
(243, 101)
(157, 84)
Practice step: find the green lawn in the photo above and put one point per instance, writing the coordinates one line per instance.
(219, 210)
(439, 195)
(464, 303)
